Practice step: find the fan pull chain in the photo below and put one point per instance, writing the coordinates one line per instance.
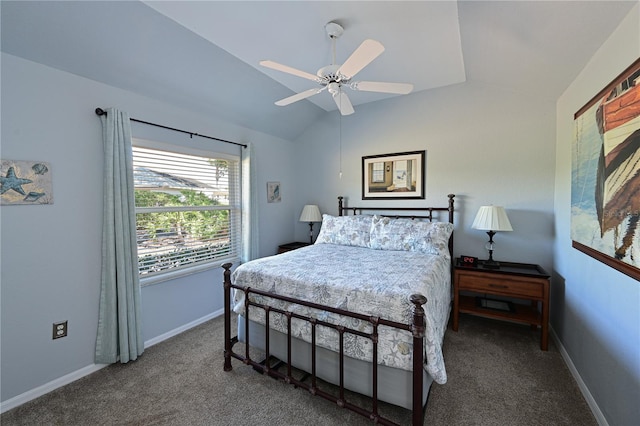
(340, 130)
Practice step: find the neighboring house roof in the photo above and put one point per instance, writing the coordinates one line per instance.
(152, 179)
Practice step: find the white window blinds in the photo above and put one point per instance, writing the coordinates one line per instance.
(187, 209)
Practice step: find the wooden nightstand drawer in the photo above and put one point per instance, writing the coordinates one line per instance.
(496, 284)
(522, 281)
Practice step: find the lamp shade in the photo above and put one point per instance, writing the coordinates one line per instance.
(310, 213)
(492, 218)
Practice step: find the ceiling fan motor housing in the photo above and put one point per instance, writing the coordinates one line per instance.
(329, 74)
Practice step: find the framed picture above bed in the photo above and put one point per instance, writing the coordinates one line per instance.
(393, 176)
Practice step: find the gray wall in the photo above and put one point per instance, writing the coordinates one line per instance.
(51, 253)
(486, 145)
(596, 311)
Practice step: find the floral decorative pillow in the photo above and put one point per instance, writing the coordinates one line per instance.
(345, 230)
(433, 238)
(392, 234)
(410, 235)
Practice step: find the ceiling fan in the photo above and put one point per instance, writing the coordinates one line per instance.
(334, 77)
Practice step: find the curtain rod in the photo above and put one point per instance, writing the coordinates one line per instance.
(100, 111)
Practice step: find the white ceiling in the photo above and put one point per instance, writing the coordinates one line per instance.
(204, 54)
(421, 39)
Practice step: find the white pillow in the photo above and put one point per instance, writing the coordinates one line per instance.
(434, 239)
(392, 234)
(345, 230)
(410, 235)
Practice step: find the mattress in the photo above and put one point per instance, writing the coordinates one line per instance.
(358, 279)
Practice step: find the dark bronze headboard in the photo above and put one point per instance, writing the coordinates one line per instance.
(420, 212)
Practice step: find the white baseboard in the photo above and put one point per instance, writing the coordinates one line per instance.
(182, 329)
(78, 374)
(595, 410)
(49, 387)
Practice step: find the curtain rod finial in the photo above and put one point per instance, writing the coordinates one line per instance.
(100, 111)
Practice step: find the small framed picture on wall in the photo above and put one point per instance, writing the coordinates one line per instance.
(273, 192)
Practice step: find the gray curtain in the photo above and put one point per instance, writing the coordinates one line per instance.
(250, 244)
(119, 323)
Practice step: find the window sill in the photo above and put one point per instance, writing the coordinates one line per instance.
(178, 273)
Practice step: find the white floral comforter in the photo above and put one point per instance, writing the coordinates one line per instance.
(362, 280)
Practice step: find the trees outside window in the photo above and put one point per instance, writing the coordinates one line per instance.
(187, 209)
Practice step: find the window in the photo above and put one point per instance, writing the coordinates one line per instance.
(377, 174)
(187, 209)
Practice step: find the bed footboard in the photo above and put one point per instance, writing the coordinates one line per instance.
(417, 328)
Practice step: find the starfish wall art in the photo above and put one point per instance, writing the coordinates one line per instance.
(25, 182)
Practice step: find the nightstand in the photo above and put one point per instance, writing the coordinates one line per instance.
(521, 281)
(291, 246)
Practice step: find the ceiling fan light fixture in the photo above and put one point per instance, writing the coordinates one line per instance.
(334, 88)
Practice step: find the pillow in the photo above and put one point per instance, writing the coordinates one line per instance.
(391, 234)
(434, 238)
(345, 230)
(410, 235)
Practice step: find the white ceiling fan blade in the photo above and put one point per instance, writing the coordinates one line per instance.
(361, 57)
(284, 68)
(343, 102)
(299, 96)
(378, 86)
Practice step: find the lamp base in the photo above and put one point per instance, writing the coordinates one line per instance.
(491, 264)
(311, 232)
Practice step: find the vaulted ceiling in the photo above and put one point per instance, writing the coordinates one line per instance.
(205, 55)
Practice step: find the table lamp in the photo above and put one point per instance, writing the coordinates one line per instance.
(491, 219)
(311, 213)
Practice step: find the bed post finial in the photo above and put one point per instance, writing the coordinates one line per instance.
(418, 312)
(340, 198)
(451, 196)
(227, 316)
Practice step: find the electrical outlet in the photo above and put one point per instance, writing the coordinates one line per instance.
(59, 329)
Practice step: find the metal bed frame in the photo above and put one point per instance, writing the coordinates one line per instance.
(416, 328)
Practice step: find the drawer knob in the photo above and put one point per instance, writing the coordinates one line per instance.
(498, 286)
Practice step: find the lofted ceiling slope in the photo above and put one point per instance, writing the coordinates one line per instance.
(204, 55)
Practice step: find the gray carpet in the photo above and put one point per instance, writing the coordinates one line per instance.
(497, 376)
